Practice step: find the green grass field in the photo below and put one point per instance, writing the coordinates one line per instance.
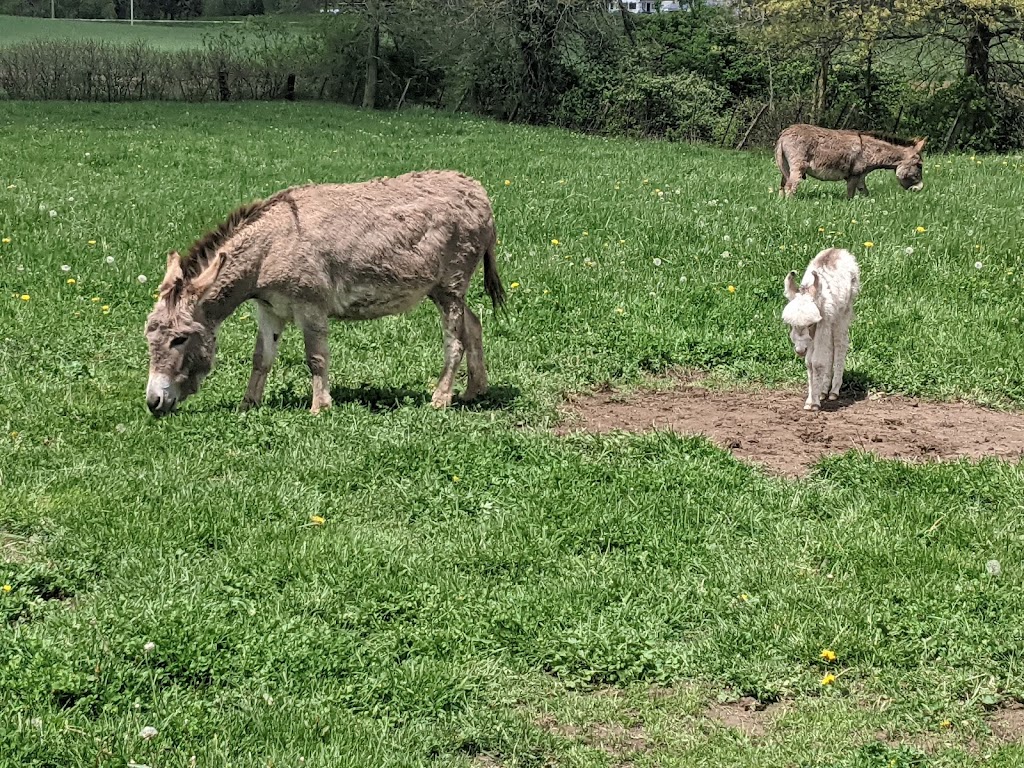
(164, 35)
(481, 592)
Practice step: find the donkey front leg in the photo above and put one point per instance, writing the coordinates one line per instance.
(452, 310)
(268, 338)
(318, 357)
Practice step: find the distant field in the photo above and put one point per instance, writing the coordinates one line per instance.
(167, 35)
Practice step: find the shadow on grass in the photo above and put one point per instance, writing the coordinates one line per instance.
(384, 399)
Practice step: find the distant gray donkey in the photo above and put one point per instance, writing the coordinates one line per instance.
(819, 314)
(828, 155)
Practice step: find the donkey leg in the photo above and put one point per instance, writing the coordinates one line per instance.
(841, 345)
(268, 338)
(796, 175)
(852, 185)
(472, 339)
(318, 358)
(813, 401)
(453, 310)
(863, 187)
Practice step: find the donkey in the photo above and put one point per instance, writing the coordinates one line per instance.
(819, 314)
(828, 155)
(309, 253)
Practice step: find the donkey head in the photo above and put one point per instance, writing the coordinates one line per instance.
(801, 314)
(182, 341)
(909, 170)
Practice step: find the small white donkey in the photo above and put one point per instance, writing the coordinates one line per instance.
(819, 314)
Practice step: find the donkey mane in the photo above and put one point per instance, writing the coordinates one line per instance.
(890, 138)
(205, 248)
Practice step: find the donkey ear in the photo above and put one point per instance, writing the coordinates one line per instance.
(812, 289)
(171, 285)
(202, 282)
(790, 286)
(919, 146)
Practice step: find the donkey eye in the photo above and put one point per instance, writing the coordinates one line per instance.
(177, 341)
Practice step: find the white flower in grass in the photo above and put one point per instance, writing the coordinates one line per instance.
(147, 733)
(978, 265)
(36, 722)
(726, 254)
(682, 279)
(909, 250)
(65, 267)
(142, 279)
(53, 214)
(109, 259)
(149, 647)
(657, 262)
(726, 238)
(993, 567)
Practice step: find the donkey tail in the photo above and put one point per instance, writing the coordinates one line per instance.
(782, 162)
(492, 282)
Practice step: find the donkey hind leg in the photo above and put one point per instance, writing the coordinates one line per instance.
(315, 332)
(863, 187)
(796, 175)
(453, 311)
(472, 340)
(840, 347)
(268, 338)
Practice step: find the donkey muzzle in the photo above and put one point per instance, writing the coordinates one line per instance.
(161, 395)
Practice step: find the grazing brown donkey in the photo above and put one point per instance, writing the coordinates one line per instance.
(828, 155)
(305, 254)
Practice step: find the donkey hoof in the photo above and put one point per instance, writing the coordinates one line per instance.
(440, 400)
(811, 407)
(833, 396)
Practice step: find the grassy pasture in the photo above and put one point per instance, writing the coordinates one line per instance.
(481, 592)
(163, 35)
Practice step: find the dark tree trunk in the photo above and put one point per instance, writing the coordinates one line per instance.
(372, 55)
(977, 54)
(819, 98)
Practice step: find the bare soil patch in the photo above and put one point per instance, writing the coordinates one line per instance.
(771, 428)
(1007, 723)
(748, 715)
(615, 739)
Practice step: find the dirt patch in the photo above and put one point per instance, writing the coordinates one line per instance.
(615, 739)
(14, 549)
(1007, 723)
(771, 428)
(748, 715)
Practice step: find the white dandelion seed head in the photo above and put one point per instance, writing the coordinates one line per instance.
(109, 259)
(149, 647)
(36, 722)
(978, 265)
(726, 254)
(726, 238)
(909, 250)
(993, 567)
(147, 733)
(682, 279)
(65, 267)
(657, 262)
(53, 214)
(142, 279)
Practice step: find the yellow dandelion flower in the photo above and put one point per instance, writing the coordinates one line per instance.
(828, 679)
(508, 182)
(6, 240)
(546, 291)
(869, 244)
(11, 186)
(7, 588)
(92, 242)
(455, 478)
(620, 311)
(514, 286)
(744, 597)
(14, 435)
(920, 230)
(316, 520)
(945, 724)
(622, 242)
(586, 233)
(828, 655)
(105, 308)
(25, 297)
(555, 242)
(731, 289)
(95, 299)
(71, 281)
(821, 229)
(646, 181)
